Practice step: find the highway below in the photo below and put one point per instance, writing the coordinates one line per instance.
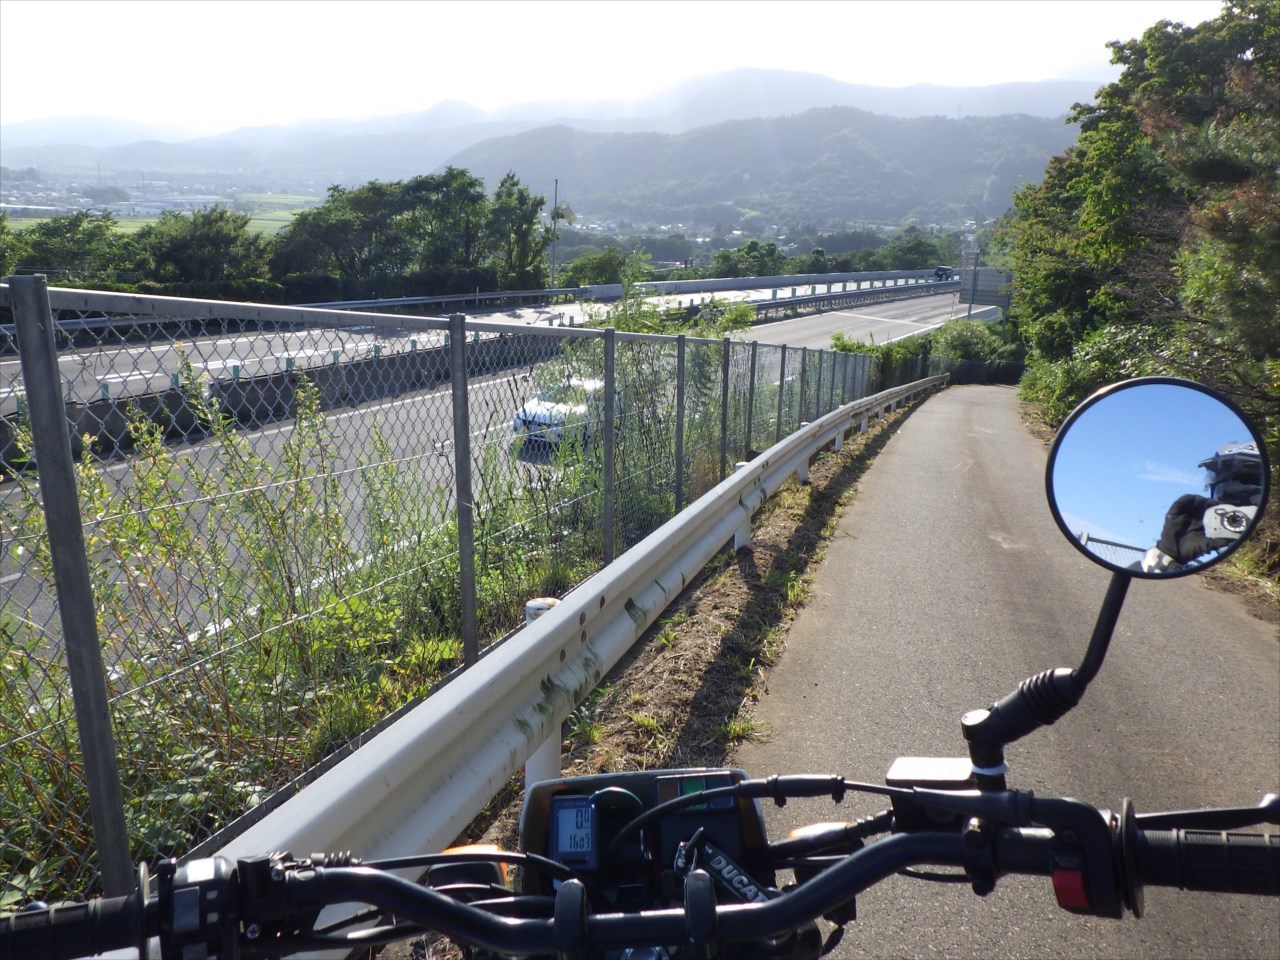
(417, 425)
(868, 323)
(946, 584)
(113, 371)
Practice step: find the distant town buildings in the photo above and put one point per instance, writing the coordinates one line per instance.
(30, 199)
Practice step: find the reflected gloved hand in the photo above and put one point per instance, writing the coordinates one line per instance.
(1183, 538)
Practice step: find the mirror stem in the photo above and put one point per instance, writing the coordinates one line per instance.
(1039, 700)
(1103, 629)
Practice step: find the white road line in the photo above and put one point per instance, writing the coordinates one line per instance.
(865, 316)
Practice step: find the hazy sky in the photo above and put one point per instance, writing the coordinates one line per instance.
(206, 67)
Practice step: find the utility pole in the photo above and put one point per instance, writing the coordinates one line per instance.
(555, 213)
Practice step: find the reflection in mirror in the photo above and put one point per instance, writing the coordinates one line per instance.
(1157, 477)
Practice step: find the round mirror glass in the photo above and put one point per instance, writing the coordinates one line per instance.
(1157, 477)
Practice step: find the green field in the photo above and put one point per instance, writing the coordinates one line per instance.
(269, 213)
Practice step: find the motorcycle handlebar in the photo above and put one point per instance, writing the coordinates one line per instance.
(1209, 860)
(73, 930)
(1188, 859)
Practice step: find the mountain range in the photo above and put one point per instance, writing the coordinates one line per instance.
(752, 108)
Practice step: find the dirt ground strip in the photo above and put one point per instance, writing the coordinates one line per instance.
(683, 695)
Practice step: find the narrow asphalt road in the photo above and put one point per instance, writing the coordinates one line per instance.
(946, 584)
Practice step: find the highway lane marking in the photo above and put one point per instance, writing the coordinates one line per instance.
(867, 316)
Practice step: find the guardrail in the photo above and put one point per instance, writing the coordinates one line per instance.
(339, 553)
(874, 285)
(836, 300)
(415, 786)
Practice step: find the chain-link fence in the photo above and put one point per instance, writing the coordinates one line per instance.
(292, 526)
(1120, 554)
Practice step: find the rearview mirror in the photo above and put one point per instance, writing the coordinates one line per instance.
(1157, 477)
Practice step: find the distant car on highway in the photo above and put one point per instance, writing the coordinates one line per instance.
(943, 273)
(560, 411)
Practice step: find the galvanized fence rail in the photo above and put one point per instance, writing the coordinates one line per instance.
(258, 530)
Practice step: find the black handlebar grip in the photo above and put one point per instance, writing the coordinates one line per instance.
(1210, 860)
(72, 930)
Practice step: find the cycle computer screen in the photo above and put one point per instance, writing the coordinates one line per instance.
(574, 832)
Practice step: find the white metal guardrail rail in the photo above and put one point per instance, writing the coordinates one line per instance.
(256, 530)
(415, 786)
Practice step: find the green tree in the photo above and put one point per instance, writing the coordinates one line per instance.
(752, 259)
(209, 245)
(517, 237)
(428, 234)
(969, 340)
(1152, 245)
(446, 213)
(607, 266)
(356, 233)
(911, 249)
(1167, 211)
(13, 246)
(81, 250)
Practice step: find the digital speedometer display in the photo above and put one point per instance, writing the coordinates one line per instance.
(573, 831)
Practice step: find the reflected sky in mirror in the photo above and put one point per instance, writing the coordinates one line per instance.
(1127, 458)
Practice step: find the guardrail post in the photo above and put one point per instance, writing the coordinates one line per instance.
(724, 409)
(610, 405)
(802, 471)
(463, 495)
(742, 536)
(680, 401)
(33, 322)
(544, 762)
(751, 400)
(782, 391)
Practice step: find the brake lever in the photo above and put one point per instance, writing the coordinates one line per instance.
(1220, 818)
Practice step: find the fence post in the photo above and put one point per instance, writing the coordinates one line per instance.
(831, 395)
(804, 368)
(610, 348)
(680, 401)
(782, 391)
(724, 410)
(751, 399)
(33, 322)
(463, 495)
(817, 390)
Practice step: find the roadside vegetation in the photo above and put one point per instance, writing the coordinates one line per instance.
(1153, 245)
(249, 631)
(992, 352)
(265, 610)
